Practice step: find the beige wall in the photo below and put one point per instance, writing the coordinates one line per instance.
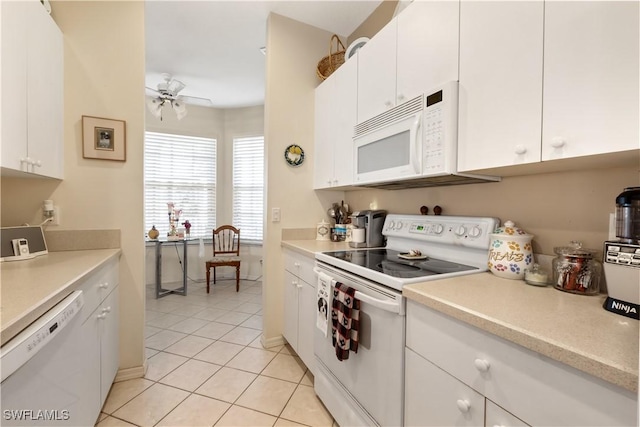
(294, 50)
(104, 77)
(374, 23)
(555, 207)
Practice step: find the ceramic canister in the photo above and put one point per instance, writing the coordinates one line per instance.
(323, 231)
(510, 252)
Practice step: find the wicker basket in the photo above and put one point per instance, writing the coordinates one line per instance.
(330, 63)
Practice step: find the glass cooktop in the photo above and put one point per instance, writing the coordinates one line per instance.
(387, 261)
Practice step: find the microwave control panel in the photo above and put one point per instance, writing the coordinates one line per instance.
(440, 129)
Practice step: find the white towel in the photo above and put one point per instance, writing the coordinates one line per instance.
(324, 293)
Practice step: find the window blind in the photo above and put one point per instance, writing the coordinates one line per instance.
(248, 186)
(180, 169)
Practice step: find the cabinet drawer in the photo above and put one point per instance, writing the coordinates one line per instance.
(98, 285)
(533, 387)
(435, 398)
(300, 266)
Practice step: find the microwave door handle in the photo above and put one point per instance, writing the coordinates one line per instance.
(416, 158)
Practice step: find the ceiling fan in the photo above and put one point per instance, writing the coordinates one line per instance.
(168, 94)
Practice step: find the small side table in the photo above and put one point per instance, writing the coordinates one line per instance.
(160, 291)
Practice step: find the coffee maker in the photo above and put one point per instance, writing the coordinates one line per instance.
(622, 257)
(372, 221)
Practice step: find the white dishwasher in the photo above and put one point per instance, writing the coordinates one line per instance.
(42, 370)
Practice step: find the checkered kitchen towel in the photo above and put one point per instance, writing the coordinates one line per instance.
(345, 320)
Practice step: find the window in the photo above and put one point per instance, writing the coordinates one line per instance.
(248, 186)
(180, 169)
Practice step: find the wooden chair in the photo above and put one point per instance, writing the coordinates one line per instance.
(226, 252)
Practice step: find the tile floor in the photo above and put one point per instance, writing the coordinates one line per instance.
(207, 367)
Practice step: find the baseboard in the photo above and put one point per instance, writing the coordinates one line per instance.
(131, 373)
(272, 342)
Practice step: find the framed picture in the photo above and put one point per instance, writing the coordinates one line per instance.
(104, 139)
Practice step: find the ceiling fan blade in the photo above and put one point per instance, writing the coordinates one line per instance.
(194, 100)
(151, 92)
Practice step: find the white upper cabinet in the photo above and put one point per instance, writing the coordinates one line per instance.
(335, 118)
(377, 73)
(32, 91)
(500, 91)
(427, 47)
(413, 53)
(590, 78)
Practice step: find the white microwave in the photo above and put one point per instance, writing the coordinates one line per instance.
(413, 143)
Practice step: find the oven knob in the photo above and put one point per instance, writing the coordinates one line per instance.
(475, 231)
(398, 225)
(461, 230)
(438, 228)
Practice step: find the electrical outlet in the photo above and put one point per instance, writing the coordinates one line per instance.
(55, 218)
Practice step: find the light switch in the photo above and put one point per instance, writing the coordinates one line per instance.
(275, 214)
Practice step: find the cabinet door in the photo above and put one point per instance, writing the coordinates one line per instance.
(14, 83)
(427, 47)
(377, 73)
(435, 398)
(500, 92)
(344, 103)
(498, 417)
(590, 78)
(290, 328)
(323, 145)
(91, 399)
(44, 93)
(109, 343)
(307, 310)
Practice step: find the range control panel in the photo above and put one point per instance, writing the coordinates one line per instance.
(452, 230)
(622, 253)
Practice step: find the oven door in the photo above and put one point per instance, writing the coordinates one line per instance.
(390, 152)
(367, 388)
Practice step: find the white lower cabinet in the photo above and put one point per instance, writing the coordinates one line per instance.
(451, 366)
(100, 332)
(299, 305)
(435, 398)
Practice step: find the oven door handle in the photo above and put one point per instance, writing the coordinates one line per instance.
(392, 306)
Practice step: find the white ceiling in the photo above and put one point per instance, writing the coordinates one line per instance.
(213, 46)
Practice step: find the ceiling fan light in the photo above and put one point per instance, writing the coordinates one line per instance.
(179, 108)
(155, 106)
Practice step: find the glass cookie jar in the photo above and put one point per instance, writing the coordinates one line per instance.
(576, 270)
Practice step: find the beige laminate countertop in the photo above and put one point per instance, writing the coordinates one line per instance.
(572, 329)
(310, 247)
(32, 287)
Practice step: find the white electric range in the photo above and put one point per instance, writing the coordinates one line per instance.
(367, 388)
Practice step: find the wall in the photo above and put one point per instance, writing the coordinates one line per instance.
(555, 207)
(103, 77)
(374, 23)
(294, 50)
(222, 125)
